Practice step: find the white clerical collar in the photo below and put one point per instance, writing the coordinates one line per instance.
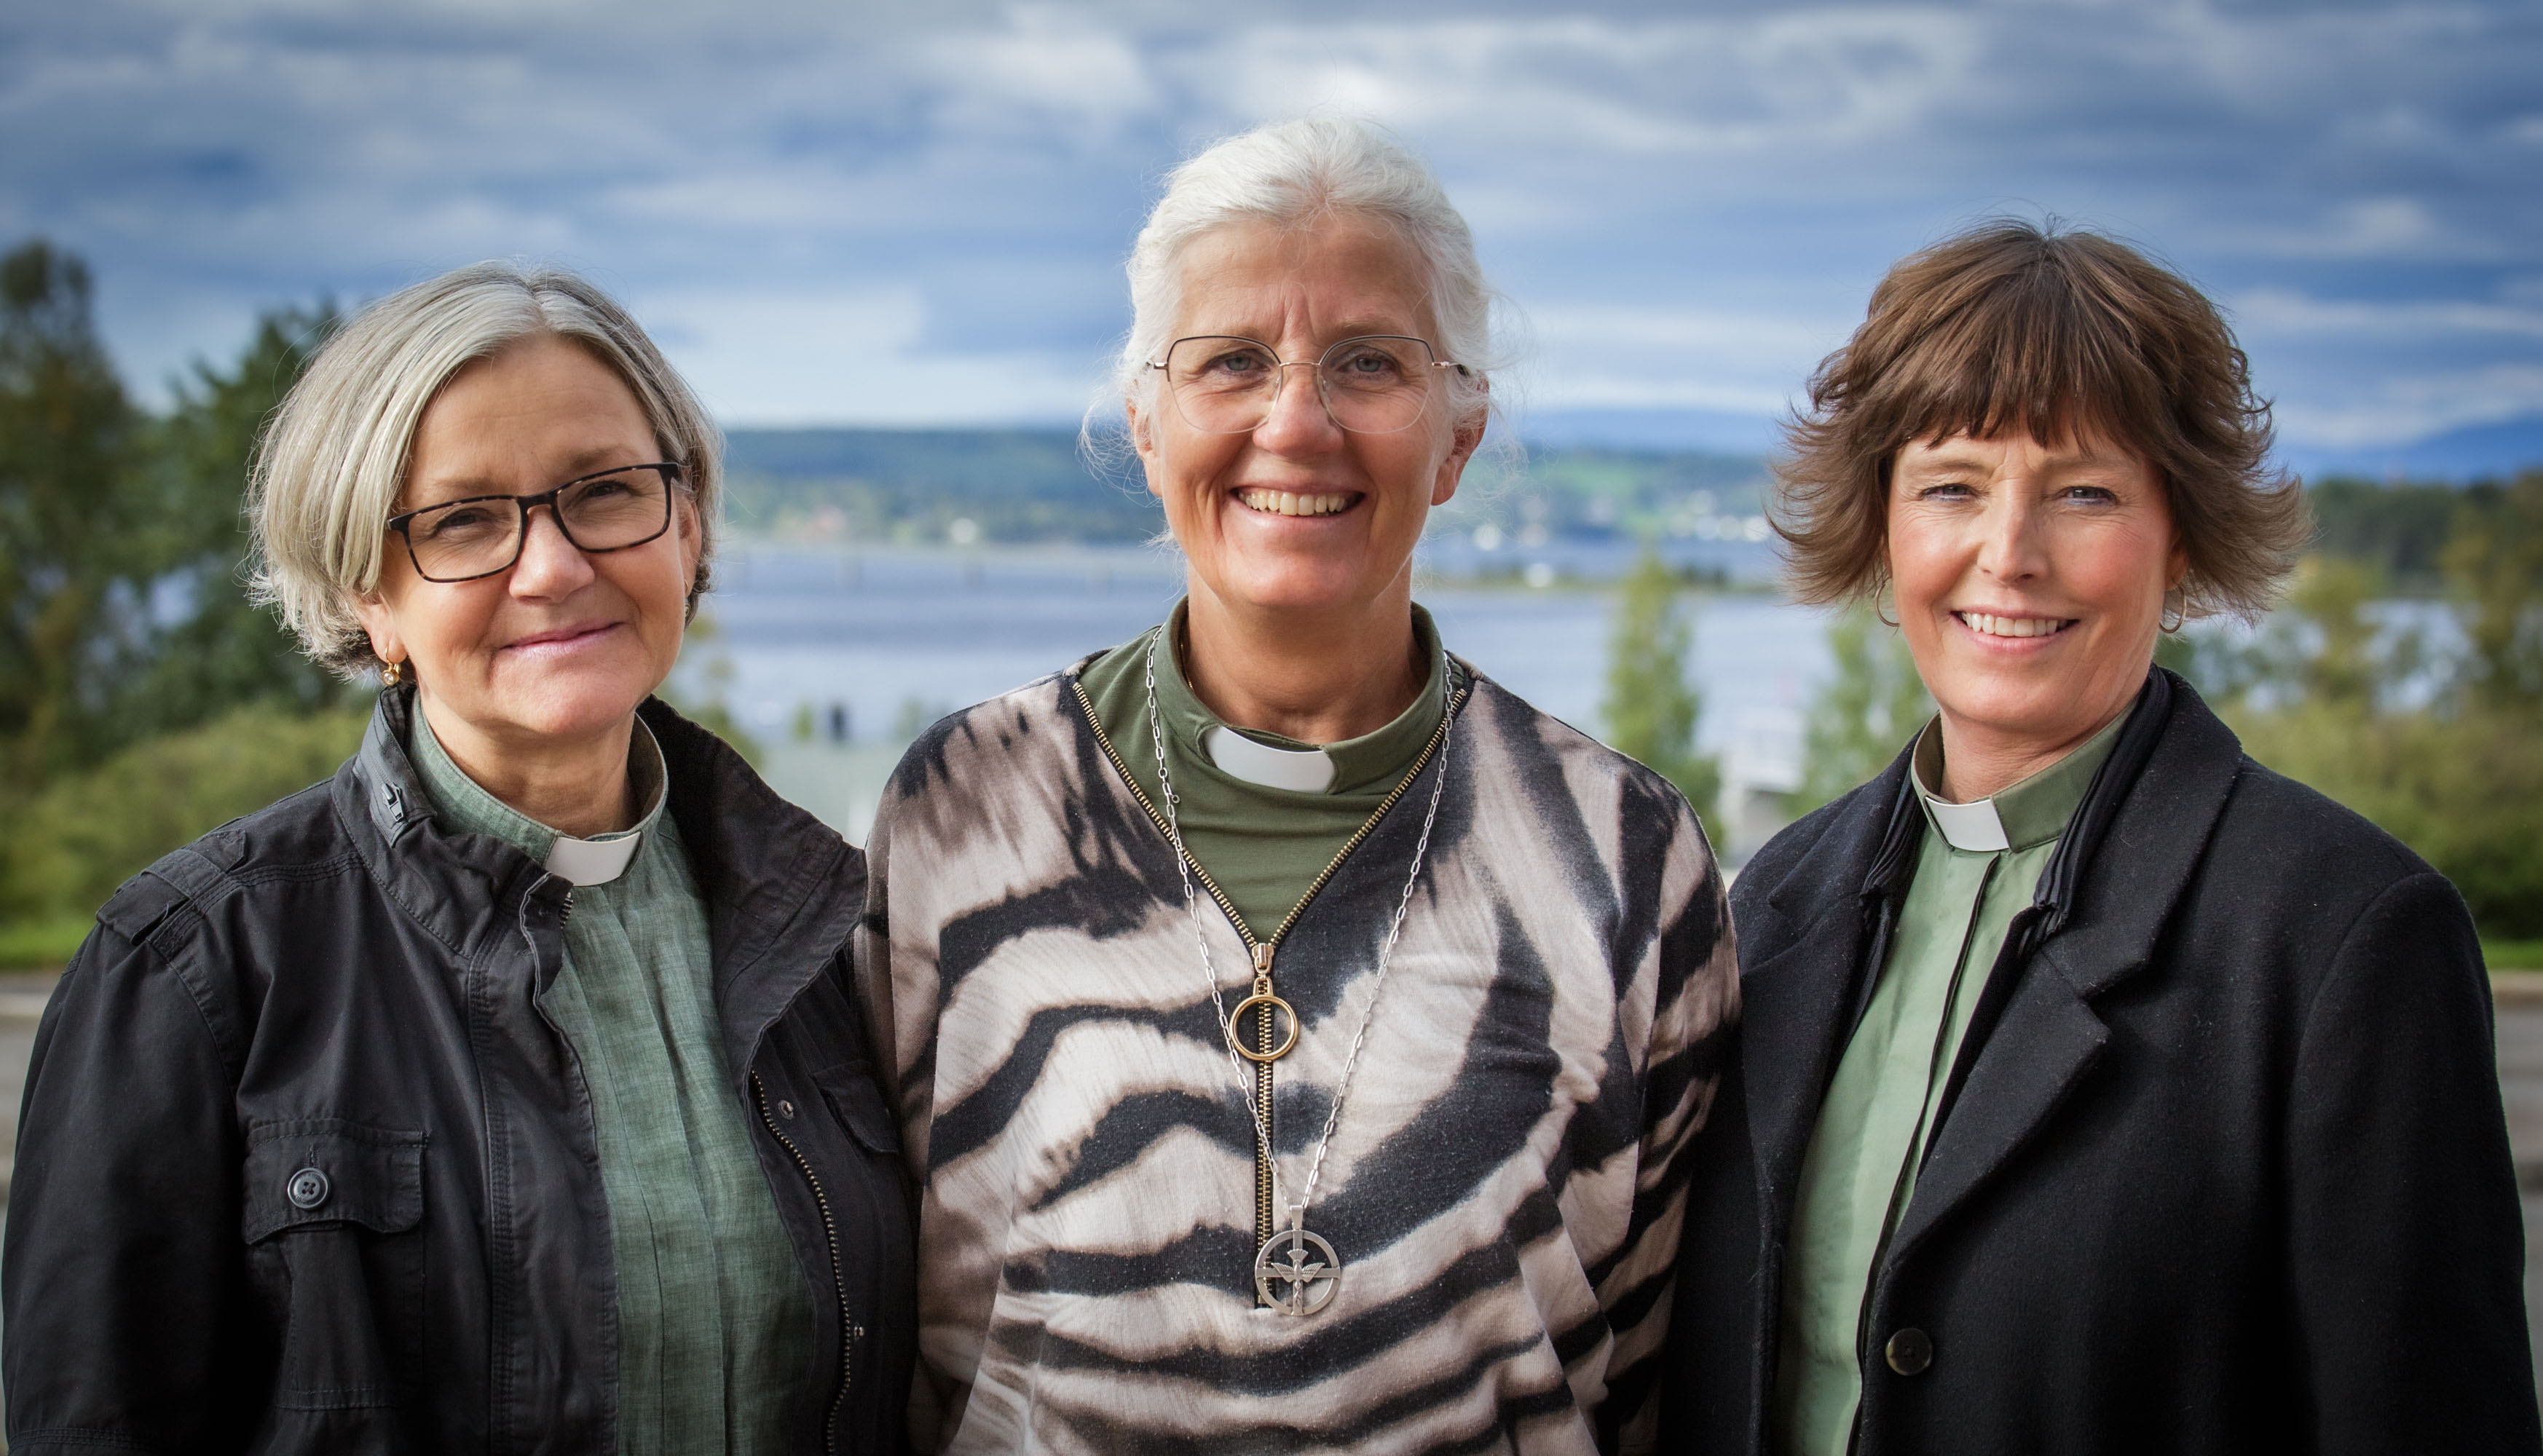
(593, 861)
(1975, 827)
(602, 860)
(1300, 770)
(1969, 826)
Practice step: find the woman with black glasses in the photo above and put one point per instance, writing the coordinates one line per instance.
(506, 1091)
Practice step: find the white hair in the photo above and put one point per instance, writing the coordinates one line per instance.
(1293, 174)
(332, 461)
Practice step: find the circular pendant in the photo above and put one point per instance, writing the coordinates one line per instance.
(1236, 1023)
(1297, 1273)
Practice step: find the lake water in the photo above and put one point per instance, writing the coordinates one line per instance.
(808, 641)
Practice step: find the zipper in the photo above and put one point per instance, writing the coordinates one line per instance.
(848, 1327)
(1264, 950)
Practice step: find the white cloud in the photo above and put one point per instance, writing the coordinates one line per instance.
(795, 357)
(1693, 201)
(1047, 62)
(2266, 312)
(2397, 411)
(1624, 86)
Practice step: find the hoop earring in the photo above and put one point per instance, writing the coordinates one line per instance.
(2176, 612)
(392, 674)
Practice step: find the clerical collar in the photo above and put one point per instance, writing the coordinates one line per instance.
(599, 859)
(1272, 761)
(2032, 813)
(1300, 770)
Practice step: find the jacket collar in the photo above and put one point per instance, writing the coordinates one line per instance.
(782, 889)
(1799, 1003)
(2138, 842)
(2101, 905)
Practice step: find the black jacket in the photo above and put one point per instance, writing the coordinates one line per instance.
(2226, 1168)
(337, 983)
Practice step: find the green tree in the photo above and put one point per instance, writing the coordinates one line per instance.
(70, 605)
(1651, 709)
(2335, 696)
(217, 650)
(87, 832)
(2495, 569)
(1863, 714)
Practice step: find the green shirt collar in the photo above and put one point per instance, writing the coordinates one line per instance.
(2030, 813)
(1358, 762)
(468, 808)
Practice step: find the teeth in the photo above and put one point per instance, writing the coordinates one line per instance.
(1995, 626)
(1290, 502)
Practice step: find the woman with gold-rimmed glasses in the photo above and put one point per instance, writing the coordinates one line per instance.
(1296, 1032)
(508, 1090)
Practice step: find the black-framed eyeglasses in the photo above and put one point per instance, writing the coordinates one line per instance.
(1374, 384)
(482, 535)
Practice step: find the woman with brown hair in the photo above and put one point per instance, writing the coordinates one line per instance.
(2100, 1090)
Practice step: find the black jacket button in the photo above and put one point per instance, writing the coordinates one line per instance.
(307, 1188)
(1909, 1352)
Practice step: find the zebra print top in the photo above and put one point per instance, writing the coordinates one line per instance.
(1504, 1186)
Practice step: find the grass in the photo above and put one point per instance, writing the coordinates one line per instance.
(42, 945)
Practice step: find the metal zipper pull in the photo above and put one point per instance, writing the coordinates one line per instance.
(1263, 969)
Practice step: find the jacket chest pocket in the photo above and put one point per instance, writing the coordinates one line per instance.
(332, 1219)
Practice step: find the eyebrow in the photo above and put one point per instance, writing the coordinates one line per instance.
(2057, 461)
(1347, 329)
(465, 488)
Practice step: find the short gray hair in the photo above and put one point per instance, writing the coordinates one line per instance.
(335, 456)
(1293, 174)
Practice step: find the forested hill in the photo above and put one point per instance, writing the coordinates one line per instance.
(1025, 485)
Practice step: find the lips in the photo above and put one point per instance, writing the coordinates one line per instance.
(1297, 502)
(1990, 624)
(563, 636)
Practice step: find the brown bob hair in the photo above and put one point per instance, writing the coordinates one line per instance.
(2059, 334)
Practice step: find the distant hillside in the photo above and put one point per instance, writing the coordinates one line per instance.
(911, 486)
(915, 485)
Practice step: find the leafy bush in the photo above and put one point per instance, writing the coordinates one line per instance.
(82, 834)
(2464, 792)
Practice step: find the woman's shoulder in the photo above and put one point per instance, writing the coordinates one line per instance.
(984, 753)
(2276, 828)
(1530, 735)
(293, 840)
(186, 908)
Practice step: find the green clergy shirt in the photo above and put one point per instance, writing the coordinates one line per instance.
(1861, 1169)
(714, 1319)
(1263, 846)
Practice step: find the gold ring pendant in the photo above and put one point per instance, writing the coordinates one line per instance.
(1236, 1018)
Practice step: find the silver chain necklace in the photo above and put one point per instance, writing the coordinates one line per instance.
(1302, 1264)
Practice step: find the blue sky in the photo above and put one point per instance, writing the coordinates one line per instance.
(901, 214)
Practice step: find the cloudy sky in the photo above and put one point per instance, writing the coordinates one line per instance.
(897, 214)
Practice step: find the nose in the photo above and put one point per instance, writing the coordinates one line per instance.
(1299, 422)
(2011, 548)
(550, 566)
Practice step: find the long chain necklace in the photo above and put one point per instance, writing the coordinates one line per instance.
(1303, 1265)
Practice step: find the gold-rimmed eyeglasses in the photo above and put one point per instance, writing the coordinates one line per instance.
(482, 535)
(1376, 384)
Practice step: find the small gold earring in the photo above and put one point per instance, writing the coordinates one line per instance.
(392, 674)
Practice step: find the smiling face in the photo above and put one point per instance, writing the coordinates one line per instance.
(2030, 583)
(563, 646)
(1300, 516)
